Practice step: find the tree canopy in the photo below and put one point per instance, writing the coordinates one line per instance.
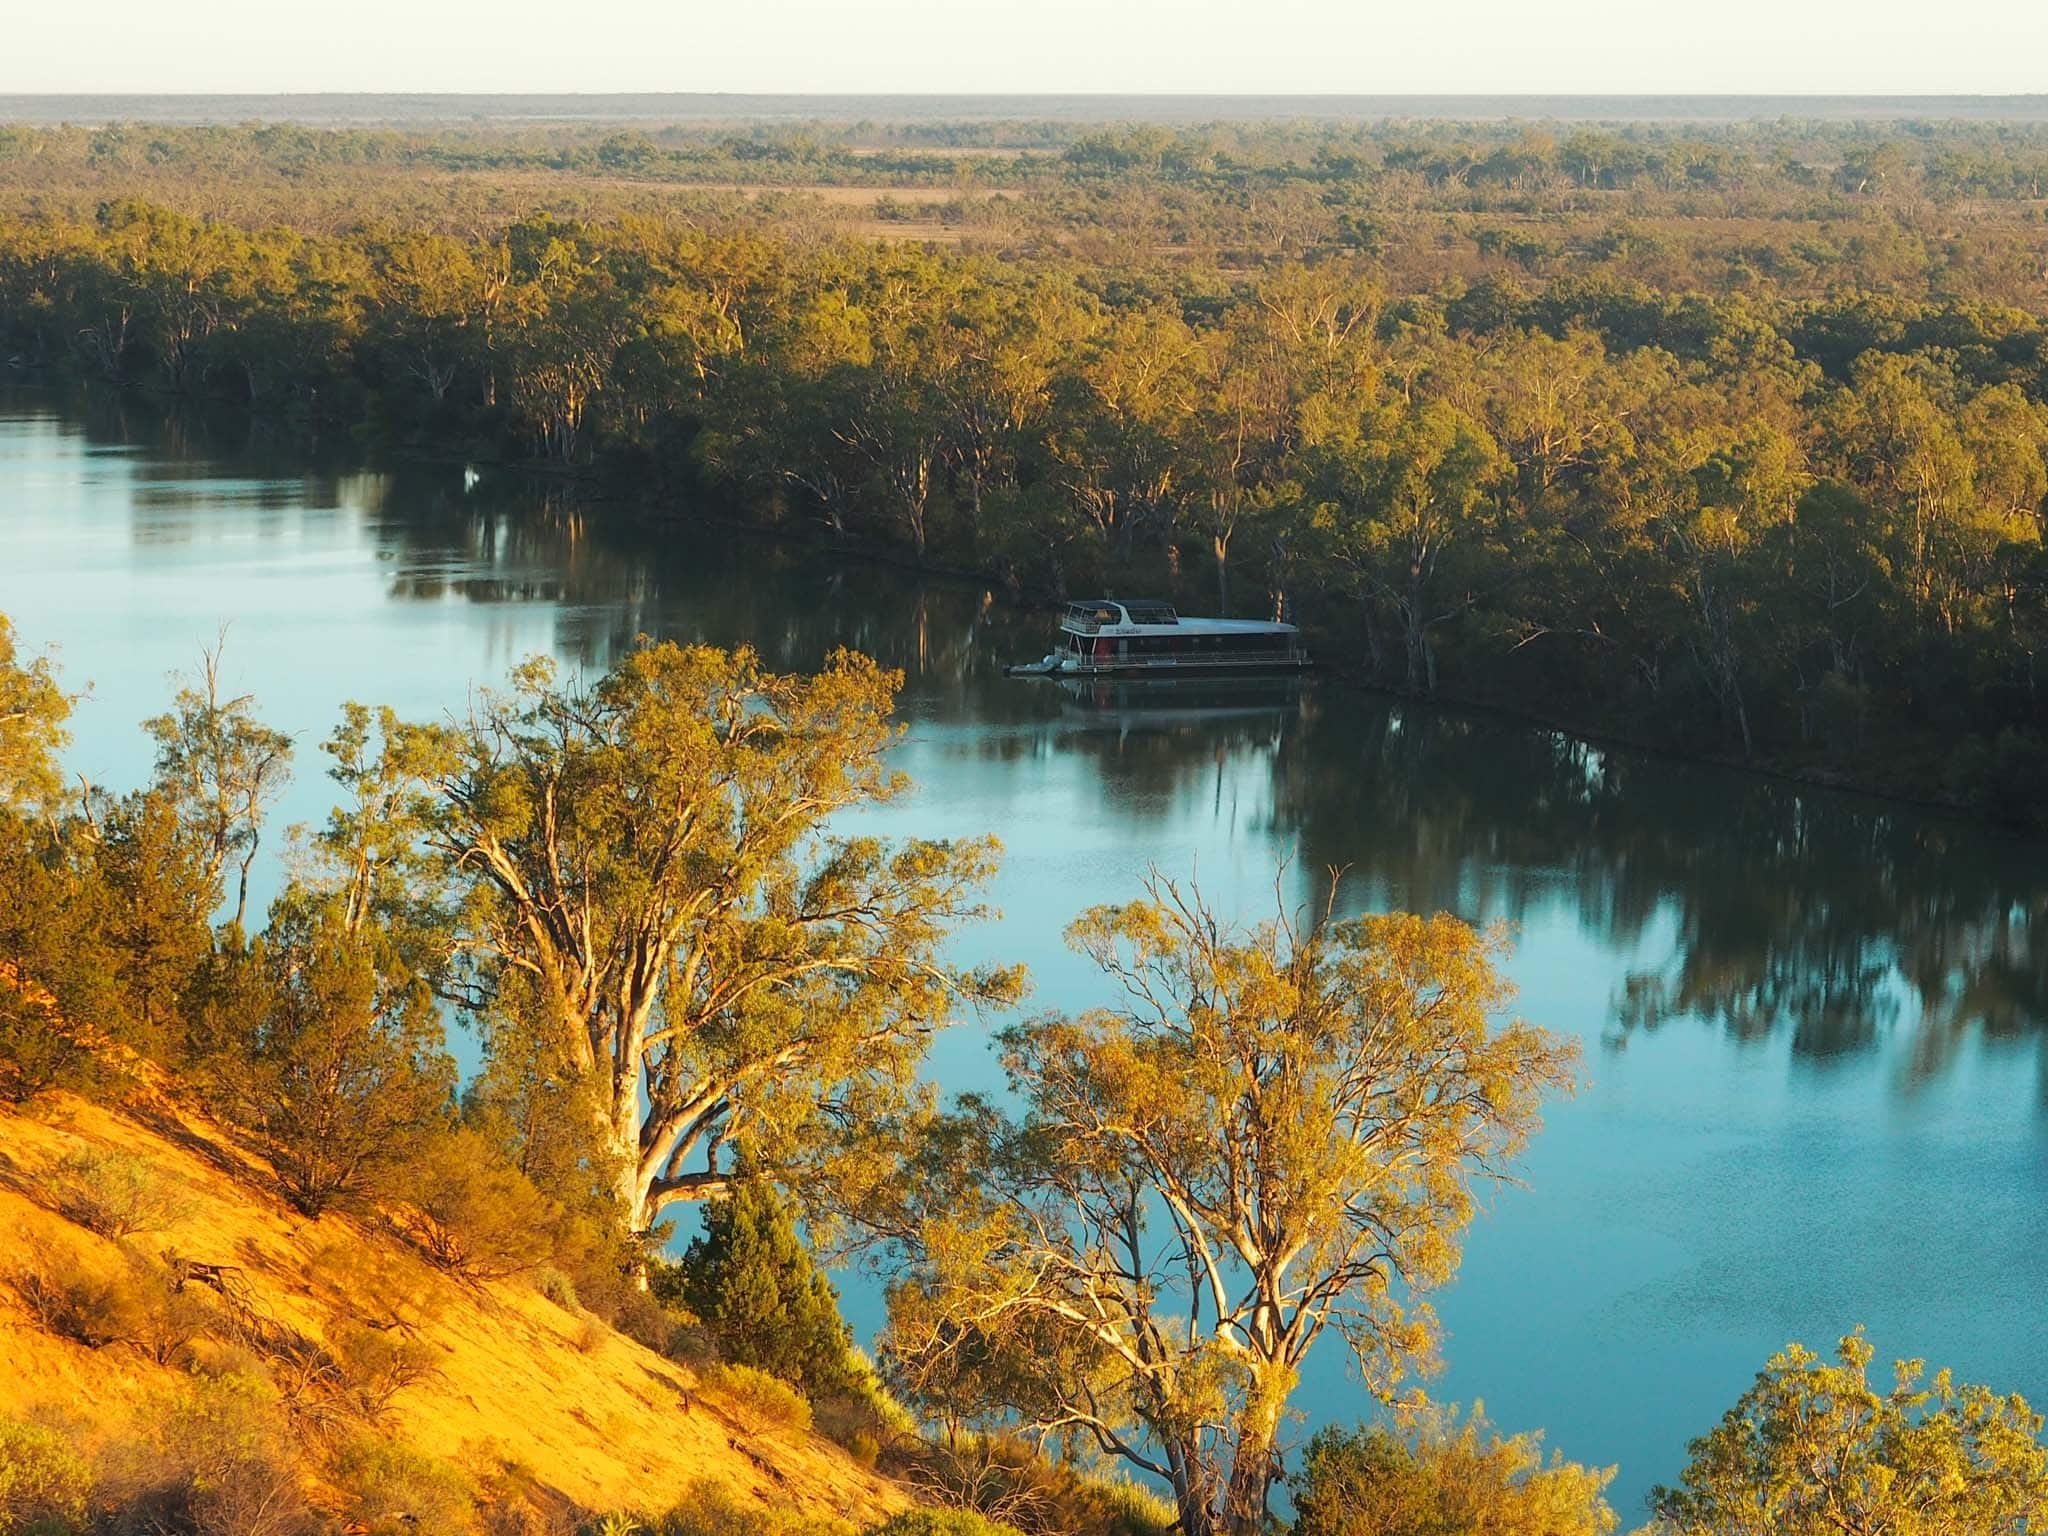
(1270, 1136)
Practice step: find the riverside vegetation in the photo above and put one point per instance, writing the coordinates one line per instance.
(688, 989)
(1728, 440)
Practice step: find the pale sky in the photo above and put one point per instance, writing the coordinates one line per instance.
(1262, 46)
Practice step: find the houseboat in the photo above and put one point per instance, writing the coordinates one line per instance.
(1111, 636)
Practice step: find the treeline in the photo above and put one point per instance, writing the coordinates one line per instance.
(1804, 532)
(1474, 162)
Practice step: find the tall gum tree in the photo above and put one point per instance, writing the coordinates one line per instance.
(1272, 1135)
(645, 863)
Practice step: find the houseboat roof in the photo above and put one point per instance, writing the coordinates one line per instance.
(1133, 616)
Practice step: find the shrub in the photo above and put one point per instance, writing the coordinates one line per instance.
(707, 1509)
(44, 1484)
(1009, 1482)
(141, 1304)
(751, 1280)
(115, 1194)
(234, 1474)
(646, 1321)
(70, 1300)
(1440, 1477)
(394, 1490)
(557, 1287)
(377, 1283)
(865, 1419)
(165, 1318)
(762, 1397)
(941, 1522)
(316, 1040)
(470, 1211)
(39, 1052)
(376, 1364)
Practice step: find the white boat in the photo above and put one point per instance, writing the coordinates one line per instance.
(1104, 636)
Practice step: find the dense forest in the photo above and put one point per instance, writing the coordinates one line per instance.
(1728, 440)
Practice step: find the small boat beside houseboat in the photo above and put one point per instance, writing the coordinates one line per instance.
(1112, 636)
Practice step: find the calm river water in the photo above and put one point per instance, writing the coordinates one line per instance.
(1816, 1027)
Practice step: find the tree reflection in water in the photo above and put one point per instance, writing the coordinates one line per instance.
(1758, 908)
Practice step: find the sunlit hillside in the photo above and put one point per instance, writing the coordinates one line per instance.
(534, 1404)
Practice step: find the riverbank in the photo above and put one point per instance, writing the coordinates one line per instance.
(1902, 768)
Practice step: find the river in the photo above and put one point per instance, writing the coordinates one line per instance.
(1815, 1026)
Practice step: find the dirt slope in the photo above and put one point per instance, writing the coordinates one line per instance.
(583, 1417)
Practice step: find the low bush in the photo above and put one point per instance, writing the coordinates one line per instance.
(470, 1211)
(863, 1417)
(39, 1052)
(557, 1287)
(225, 1444)
(941, 1522)
(45, 1486)
(115, 1194)
(376, 1364)
(646, 1321)
(71, 1300)
(707, 1509)
(394, 1490)
(1438, 1476)
(759, 1396)
(1010, 1482)
(378, 1284)
(165, 1319)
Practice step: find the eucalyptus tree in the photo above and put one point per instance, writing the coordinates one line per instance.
(222, 768)
(1410, 490)
(650, 877)
(33, 709)
(1815, 1447)
(1270, 1136)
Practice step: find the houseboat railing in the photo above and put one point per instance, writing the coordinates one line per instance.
(1129, 663)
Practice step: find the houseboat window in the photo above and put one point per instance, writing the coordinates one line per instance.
(1151, 613)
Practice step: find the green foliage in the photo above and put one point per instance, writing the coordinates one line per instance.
(708, 1509)
(394, 1490)
(720, 972)
(469, 1210)
(220, 768)
(1266, 1125)
(1655, 427)
(55, 968)
(323, 1043)
(749, 1278)
(137, 1301)
(230, 1461)
(1436, 1476)
(376, 1364)
(767, 1400)
(940, 1522)
(33, 709)
(45, 1485)
(116, 1194)
(1813, 1447)
(1013, 1483)
(41, 1052)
